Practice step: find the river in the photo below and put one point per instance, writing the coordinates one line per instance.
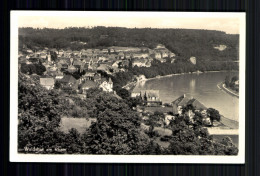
(202, 86)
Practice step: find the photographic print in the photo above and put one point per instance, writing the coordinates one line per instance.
(151, 87)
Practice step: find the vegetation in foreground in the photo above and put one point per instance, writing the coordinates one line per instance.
(117, 129)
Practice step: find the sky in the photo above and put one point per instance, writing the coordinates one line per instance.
(227, 22)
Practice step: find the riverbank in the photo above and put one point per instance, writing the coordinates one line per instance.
(130, 86)
(197, 72)
(223, 87)
(225, 124)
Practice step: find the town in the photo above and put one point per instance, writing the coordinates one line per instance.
(88, 64)
(86, 99)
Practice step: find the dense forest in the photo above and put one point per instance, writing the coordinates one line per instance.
(183, 42)
(117, 129)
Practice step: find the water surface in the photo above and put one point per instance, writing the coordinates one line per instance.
(202, 86)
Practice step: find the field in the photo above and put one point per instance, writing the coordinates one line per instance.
(81, 124)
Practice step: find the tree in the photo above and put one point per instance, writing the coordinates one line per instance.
(234, 79)
(54, 56)
(227, 81)
(117, 129)
(123, 93)
(213, 115)
(57, 85)
(40, 69)
(38, 115)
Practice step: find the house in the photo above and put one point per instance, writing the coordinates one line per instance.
(76, 53)
(70, 81)
(179, 103)
(140, 55)
(48, 83)
(151, 97)
(102, 58)
(106, 86)
(94, 58)
(29, 51)
(104, 51)
(193, 60)
(85, 66)
(89, 51)
(112, 57)
(160, 46)
(97, 77)
(61, 52)
(139, 63)
(183, 101)
(116, 64)
(59, 75)
(53, 50)
(128, 56)
(88, 76)
(104, 67)
(124, 63)
(165, 54)
(140, 78)
(112, 50)
(157, 55)
(168, 119)
(121, 55)
(135, 94)
(78, 65)
(64, 67)
(171, 54)
(96, 51)
(72, 69)
(87, 85)
(88, 59)
(67, 54)
(162, 60)
(220, 47)
(43, 55)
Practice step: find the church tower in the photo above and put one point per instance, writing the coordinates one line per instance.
(71, 61)
(49, 57)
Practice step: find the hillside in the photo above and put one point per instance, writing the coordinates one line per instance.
(183, 42)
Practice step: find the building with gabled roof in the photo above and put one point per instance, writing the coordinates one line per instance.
(106, 86)
(151, 97)
(87, 85)
(183, 101)
(48, 83)
(69, 80)
(140, 63)
(72, 69)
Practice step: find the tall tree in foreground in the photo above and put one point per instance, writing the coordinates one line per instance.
(38, 115)
(213, 115)
(117, 129)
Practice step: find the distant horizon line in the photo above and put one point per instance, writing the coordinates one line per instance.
(92, 27)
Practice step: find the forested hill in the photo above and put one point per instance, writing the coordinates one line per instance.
(183, 42)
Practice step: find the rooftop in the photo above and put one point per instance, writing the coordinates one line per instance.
(46, 81)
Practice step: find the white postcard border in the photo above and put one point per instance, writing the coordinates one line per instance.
(16, 157)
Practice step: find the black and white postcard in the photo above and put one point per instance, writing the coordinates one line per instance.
(127, 87)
